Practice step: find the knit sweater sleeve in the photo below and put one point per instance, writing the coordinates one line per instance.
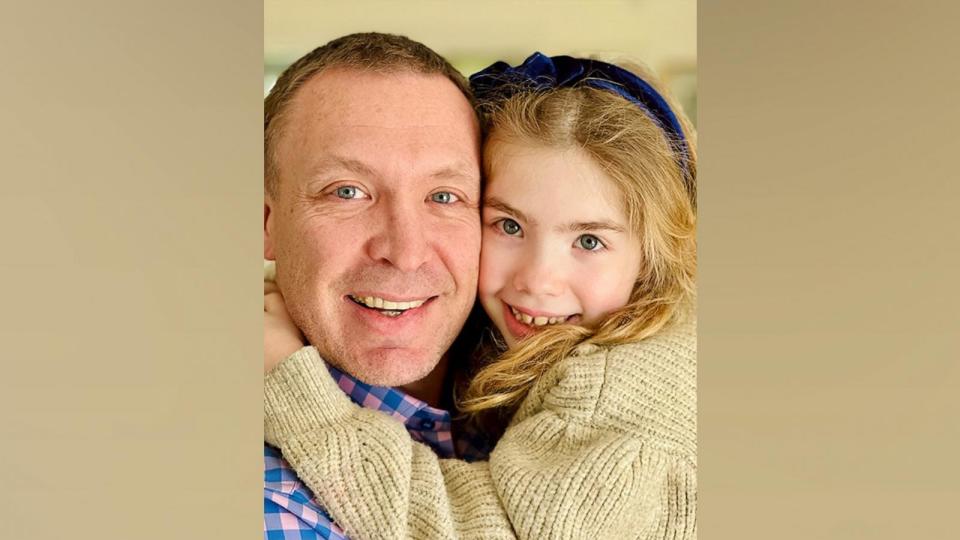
(580, 459)
(363, 467)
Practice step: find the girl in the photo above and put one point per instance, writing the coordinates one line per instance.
(587, 275)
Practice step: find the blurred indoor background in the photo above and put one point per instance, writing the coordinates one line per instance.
(474, 34)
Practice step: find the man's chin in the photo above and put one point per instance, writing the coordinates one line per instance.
(391, 367)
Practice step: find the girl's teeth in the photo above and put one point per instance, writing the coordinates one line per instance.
(535, 321)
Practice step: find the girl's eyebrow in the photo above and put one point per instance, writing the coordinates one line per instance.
(497, 204)
(576, 226)
(580, 226)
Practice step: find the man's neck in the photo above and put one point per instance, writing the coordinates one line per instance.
(429, 388)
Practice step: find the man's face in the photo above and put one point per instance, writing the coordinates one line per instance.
(375, 226)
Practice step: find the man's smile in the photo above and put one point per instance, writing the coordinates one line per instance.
(389, 308)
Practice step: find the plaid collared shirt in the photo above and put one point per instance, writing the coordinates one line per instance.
(289, 508)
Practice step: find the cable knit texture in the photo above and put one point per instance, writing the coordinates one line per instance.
(604, 446)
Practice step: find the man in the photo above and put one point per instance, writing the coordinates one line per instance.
(372, 194)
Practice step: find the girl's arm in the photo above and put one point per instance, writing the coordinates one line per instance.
(581, 459)
(363, 467)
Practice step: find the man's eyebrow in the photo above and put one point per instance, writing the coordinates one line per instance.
(497, 204)
(339, 162)
(453, 171)
(581, 226)
(358, 167)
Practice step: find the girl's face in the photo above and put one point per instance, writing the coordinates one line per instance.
(556, 243)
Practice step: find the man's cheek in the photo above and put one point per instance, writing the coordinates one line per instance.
(461, 234)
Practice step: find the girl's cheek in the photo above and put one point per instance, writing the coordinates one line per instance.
(599, 296)
(491, 267)
(497, 266)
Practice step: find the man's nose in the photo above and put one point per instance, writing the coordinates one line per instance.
(539, 274)
(401, 238)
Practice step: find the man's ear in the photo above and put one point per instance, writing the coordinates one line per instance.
(268, 228)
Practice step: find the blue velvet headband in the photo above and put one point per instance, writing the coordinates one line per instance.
(541, 72)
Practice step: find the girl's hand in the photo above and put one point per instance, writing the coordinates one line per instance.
(281, 337)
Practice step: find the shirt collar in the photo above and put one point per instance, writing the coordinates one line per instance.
(425, 423)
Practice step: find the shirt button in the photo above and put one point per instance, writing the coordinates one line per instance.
(427, 424)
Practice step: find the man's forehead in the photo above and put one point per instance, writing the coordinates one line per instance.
(383, 121)
(357, 97)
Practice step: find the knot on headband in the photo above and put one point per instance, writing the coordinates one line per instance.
(540, 72)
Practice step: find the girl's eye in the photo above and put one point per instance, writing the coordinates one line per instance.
(509, 227)
(589, 242)
(350, 192)
(444, 197)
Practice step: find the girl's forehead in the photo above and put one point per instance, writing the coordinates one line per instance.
(552, 185)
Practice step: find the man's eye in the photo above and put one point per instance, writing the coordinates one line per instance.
(349, 192)
(589, 242)
(444, 197)
(509, 227)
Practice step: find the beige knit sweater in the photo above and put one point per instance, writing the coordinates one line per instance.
(604, 446)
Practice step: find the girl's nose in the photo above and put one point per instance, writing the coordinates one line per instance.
(539, 275)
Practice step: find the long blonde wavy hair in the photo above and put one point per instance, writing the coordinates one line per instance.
(659, 199)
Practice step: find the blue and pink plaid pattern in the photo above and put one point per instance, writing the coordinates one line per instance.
(289, 509)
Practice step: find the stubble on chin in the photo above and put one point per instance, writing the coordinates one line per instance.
(388, 366)
(392, 367)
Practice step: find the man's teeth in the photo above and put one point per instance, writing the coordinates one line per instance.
(535, 321)
(380, 303)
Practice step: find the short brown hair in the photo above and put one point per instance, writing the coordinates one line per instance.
(370, 51)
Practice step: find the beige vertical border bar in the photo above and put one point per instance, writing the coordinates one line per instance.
(829, 264)
(131, 195)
